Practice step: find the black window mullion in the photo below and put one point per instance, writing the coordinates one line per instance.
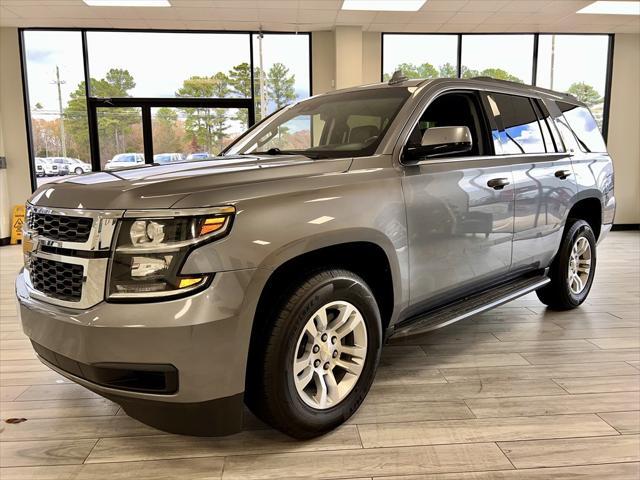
(459, 56)
(147, 134)
(252, 108)
(534, 68)
(92, 116)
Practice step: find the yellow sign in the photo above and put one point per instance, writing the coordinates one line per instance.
(17, 220)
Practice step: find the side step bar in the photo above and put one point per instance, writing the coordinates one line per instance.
(468, 306)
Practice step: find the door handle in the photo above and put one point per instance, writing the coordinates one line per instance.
(562, 174)
(498, 183)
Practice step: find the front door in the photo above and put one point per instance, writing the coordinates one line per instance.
(459, 208)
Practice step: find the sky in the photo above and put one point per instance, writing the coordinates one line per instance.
(159, 62)
(577, 57)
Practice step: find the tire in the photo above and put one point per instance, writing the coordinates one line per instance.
(560, 294)
(78, 171)
(274, 391)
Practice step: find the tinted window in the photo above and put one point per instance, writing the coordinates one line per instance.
(521, 131)
(583, 127)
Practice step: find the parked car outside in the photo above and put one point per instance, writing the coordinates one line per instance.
(38, 162)
(76, 165)
(125, 160)
(273, 274)
(49, 168)
(162, 158)
(198, 156)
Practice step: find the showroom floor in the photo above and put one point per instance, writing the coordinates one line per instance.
(555, 394)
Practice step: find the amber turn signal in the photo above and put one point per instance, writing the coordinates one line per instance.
(190, 282)
(212, 225)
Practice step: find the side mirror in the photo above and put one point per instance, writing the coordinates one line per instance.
(440, 141)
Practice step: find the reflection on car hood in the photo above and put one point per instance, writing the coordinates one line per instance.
(163, 186)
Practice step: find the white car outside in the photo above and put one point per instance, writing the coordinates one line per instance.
(125, 160)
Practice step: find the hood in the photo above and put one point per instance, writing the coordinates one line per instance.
(163, 186)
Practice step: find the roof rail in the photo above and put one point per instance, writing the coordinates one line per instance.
(518, 84)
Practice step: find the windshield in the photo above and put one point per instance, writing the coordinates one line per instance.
(349, 124)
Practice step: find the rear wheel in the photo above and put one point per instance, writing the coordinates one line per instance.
(319, 355)
(573, 269)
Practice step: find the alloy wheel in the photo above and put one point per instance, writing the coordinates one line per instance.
(330, 355)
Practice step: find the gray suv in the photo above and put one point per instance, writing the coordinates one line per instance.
(272, 274)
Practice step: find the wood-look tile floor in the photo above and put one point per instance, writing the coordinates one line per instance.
(517, 393)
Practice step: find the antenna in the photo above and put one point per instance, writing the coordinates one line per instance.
(398, 77)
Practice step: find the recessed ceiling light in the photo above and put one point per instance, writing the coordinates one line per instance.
(384, 5)
(612, 8)
(127, 3)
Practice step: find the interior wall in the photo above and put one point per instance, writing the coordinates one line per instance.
(624, 122)
(371, 57)
(323, 62)
(12, 118)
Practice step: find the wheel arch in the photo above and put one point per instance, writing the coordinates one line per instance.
(366, 259)
(588, 208)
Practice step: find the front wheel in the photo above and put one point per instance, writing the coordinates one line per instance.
(573, 269)
(78, 171)
(319, 355)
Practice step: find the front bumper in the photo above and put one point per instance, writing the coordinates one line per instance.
(204, 336)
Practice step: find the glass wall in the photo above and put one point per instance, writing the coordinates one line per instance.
(57, 104)
(168, 64)
(189, 92)
(576, 64)
(281, 71)
(420, 56)
(505, 57)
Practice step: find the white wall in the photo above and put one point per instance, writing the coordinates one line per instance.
(12, 119)
(624, 127)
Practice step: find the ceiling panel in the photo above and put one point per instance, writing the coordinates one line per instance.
(435, 15)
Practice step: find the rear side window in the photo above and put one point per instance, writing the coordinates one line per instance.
(520, 130)
(583, 127)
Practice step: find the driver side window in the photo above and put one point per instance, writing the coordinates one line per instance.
(459, 109)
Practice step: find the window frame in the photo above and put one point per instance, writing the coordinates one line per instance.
(145, 103)
(530, 100)
(534, 53)
(488, 124)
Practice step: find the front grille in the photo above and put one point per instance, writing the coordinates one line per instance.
(60, 227)
(56, 279)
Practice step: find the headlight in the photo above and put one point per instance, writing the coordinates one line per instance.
(151, 248)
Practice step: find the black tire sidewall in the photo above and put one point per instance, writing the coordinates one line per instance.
(577, 229)
(348, 288)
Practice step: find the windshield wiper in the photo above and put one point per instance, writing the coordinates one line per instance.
(277, 151)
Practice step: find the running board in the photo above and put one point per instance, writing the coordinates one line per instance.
(468, 306)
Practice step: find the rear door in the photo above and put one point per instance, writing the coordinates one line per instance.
(460, 227)
(543, 175)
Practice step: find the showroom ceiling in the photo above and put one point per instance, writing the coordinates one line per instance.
(308, 15)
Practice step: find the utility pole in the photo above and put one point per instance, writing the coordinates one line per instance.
(263, 94)
(63, 139)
